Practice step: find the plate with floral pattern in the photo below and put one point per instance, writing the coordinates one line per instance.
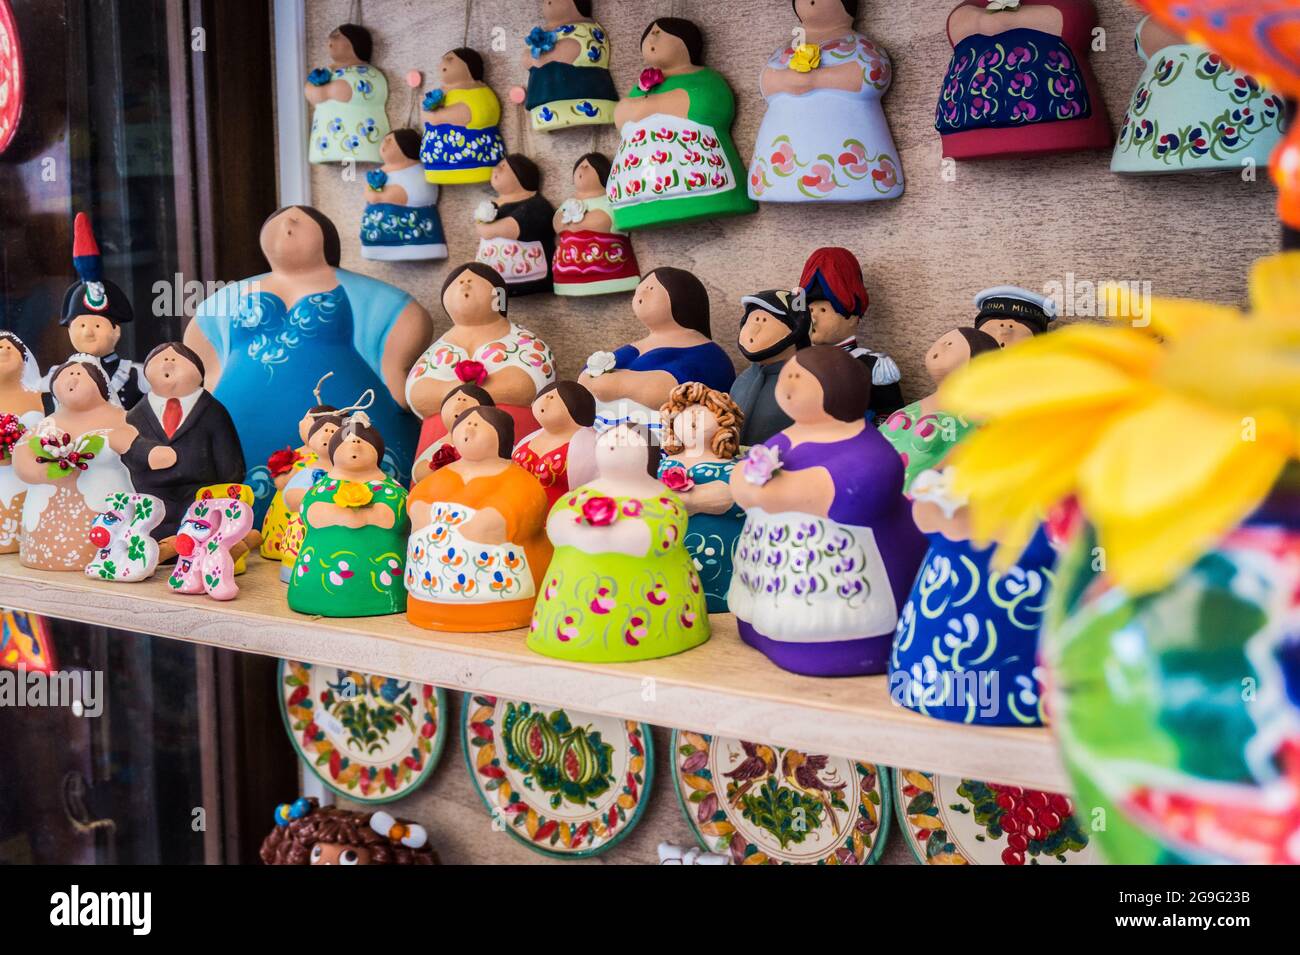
(369, 738)
(949, 820)
(564, 784)
(763, 804)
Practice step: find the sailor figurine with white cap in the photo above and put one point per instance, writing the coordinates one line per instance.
(1011, 314)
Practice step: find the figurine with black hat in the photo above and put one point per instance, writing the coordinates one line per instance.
(774, 326)
(1011, 314)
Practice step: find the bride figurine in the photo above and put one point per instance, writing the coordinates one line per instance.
(21, 409)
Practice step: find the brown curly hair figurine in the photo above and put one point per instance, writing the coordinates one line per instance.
(308, 834)
(726, 443)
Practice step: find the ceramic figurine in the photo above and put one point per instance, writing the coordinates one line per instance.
(275, 334)
(1019, 83)
(123, 534)
(442, 452)
(307, 833)
(325, 424)
(483, 348)
(622, 585)
(774, 326)
(824, 136)
(210, 530)
(829, 551)
(632, 384)
(462, 138)
(1012, 314)
(478, 545)
(349, 101)
(21, 409)
(401, 222)
(561, 453)
(1193, 112)
(923, 433)
(837, 301)
(590, 257)
(676, 161)
(515, 233)
(568, 68)
(282, 465)
(701, 447)
(239, 551)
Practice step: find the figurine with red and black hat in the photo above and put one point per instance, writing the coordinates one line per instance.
(1011, 314)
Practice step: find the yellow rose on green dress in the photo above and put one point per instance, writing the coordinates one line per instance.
(806, 58)
(353, 494)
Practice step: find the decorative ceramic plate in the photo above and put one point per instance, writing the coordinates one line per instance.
(953, 821)
(769, 805)
(564, 784)
(370, 738)
(11, 76)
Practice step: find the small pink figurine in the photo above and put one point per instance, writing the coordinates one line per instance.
(209, 530)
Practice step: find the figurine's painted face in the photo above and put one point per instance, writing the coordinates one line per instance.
(94, 335)
(476, 440)
(455, 406)
(560, 12)
(664, 50)
(76, 390)
(651, 304)
(586, 180)
(334, 853)
(696, 427)
(392, 154)
(320, 441)
(340, 48)
(293, 240)
(947, 355)
(829, 327)
(195, 531)
(1007, 331)
(471, 300)
(453, 70)
(172, 375)
(621, 453)
(760, 330)
(11, 360)
(504, 182)
(822, 14)
(800, 395)
(354, 455)
(552, 413)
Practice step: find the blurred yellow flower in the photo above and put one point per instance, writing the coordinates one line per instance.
(807, 57)
(353, 494)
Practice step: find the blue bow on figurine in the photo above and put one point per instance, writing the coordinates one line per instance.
(540, 41)
(319, 76)
(287, 812)
(376, 179)
(432, 100)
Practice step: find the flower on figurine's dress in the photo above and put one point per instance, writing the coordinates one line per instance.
(444, 456)
(319, 77)
(601, 362)
(935, 486)
(806, 58)
(61, 457)
(485, 211)
(761, 464)
(677, 478)
(599, 511)
(650, 77)
(11, 431)
(470, 371)
(995, 6)
(353, 494)
(376, 179)
(540, 41)
(572, 210)
(282, 461)
(432, 100)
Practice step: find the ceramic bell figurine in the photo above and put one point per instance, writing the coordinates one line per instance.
(325, 424)
(483, 348)
(306, 833)
(276, 334)
(442, 452)
(676, 161)
(622, 586)
(561, 453)
(209, 532)
(123, 534)
(774, 326)
(515, 234)
(462, 135)
(1019, 83)
(567, 59)
(478, 545)
(401, 222)
(824, 137)
(828, 551)
(837, 301)
(1012, 314)
(351, 560)
(922, 433)
(590, 257)
(282, 465)
(632, 383)
(349, 101)
(701, 448)
(21, 409)
(1193, 112)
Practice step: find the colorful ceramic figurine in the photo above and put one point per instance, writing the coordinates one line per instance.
(774, 326)
(515, 233)
(837, 301)
(568, 68)
(622, 585)
(829, 550)
(306, 833)
(462, 138)
(824, 136)
(1019, 83)
(349, 99)
(167, 551)
(401, 220)
(211, 529)
(276, 334)
(1012, 314)
(701, 447)
(561, 453)
(325, 424)
(590, 257)
(482, 348)
(632, 384)
(442, 452)
(676, 161)
(478, 545)
(124, 536)
(282, 465)
(21, 409)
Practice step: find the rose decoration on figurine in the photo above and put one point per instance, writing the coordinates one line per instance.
(282, 461)
(995, 6)
(61, 456)
(761, 464)
(600, 511)
(677, 478)
(470, 371)
(572, 210)
(445, 455)
(540, 41)
(432, 100)
(650, 77)
(485, 211)
(319, 76)
(601, 362)
(353, 494)
(935, 487)
(11, 432)
(376, 179)
(806, 58)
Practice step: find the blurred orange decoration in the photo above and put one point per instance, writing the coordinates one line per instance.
(1261, 37)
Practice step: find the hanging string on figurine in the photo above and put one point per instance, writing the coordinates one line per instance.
(316, 391)
(354, 12)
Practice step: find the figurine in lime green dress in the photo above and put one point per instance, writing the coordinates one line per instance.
(621, 585)
(350, 101)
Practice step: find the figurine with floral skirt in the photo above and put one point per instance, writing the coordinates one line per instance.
(349, 100)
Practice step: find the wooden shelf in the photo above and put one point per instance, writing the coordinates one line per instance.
(723, 687)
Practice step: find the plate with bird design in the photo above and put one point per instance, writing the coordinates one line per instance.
(763, 804)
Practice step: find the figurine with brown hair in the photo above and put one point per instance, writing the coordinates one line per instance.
(401, 222)
(21, 409)
(591, 258)
(515, 234)
(442, 452)
(462, 116)
(560, 454)
(282, 465)
(307, 833)
(349, 99)
(320, 433)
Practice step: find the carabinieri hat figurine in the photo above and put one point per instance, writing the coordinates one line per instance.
(1011, 314)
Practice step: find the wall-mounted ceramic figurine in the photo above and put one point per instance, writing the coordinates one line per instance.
(632, 383)
(282, 465)
(676, 161)
(123, 535)
(837, 301)
(483, 348)
(1193, 112)
(442, 452)
(567, 59)
(349, 100)
(775, 325)
(276, 334)
(590, 257)
(561, 453)
(401, 222)
(701, 447)
(1019, 82)
(622, 585)
(829, 551)
(462, 135)
(1012, 314)
(211, 529)
(351, 559)
(478, 545)
(307, 833)
(515, 233)
(21, 409)
(824, 137)
(324, 426)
